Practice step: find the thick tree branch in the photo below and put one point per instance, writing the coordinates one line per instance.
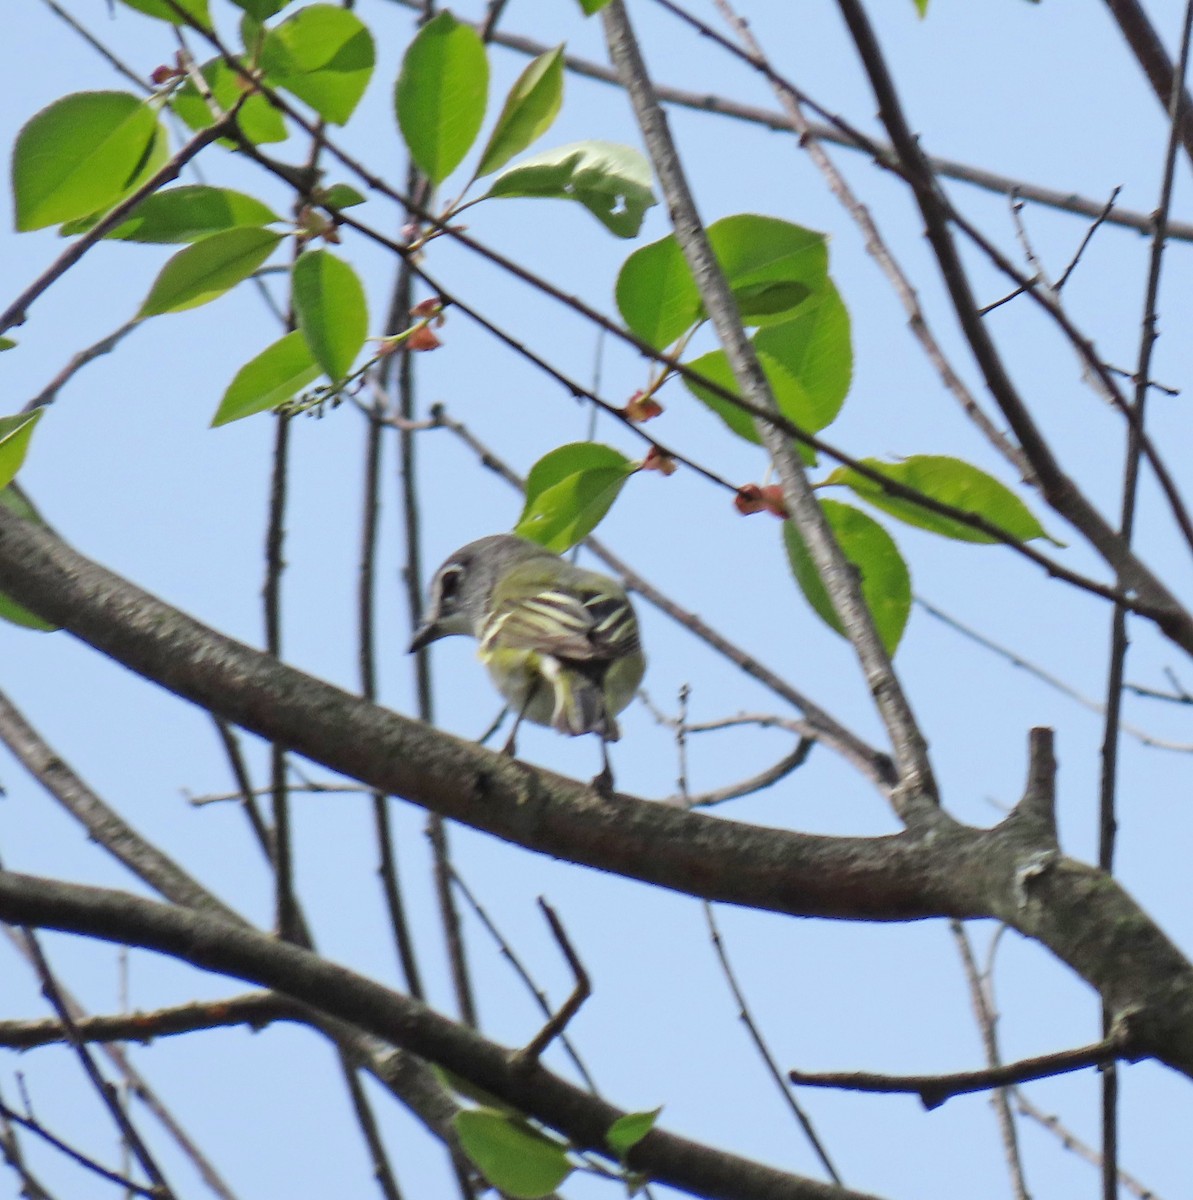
(1013, 873)
(217, 945)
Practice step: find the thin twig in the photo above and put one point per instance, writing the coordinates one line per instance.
(10, 1150)
(746, 787)
(77, 1156)
(1063, 199)
(103, 1089)
(1107, 814)
(17, 312)
(981, 998)
(105, 345)
(764, 1051)
(117, 64)
(1052, 681)
(581, 990)
(1070, 1141)
(934, 1090)
(134, 1083)
(509, 954)
(252, 1009)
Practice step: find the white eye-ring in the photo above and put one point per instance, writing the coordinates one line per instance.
(449, 582)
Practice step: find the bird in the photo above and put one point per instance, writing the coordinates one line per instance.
(560, 642)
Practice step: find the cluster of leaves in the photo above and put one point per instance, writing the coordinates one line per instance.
(86, 153)
(778, 273)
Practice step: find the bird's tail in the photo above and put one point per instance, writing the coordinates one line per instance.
(580, 707)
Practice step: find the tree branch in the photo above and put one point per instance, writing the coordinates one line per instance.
(916, 782)
(1013, 873)
(227, 948)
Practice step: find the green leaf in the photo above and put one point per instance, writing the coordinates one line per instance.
(260, 10)
(772, 266)
(656, 294)
(259, 121)
(7, 343)
(568, 492)
(811, 358)
(80, 155)
(15, 433)
(514, 1157)
(953, 482)
(626, 1132)
(277, 373)
(611, 181)
(807, 360)
(530, 109)
(208, 269)
(921, 6)
(886, 584)
(323, 55)
(715, 367)
(441, 95)
(340, 195)
(196, 11)
(330, 305)
(186, 214)
(10, 610)
(592, 6)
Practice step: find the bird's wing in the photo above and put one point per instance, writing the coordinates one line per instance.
(587, 624)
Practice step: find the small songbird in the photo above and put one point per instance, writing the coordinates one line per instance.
(559, 642)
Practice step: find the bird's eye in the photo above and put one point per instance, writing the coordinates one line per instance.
(449, 583)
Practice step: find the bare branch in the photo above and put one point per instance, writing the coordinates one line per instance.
(559, 1021)
(764, 1051)
(231, 949)
(934, 1090)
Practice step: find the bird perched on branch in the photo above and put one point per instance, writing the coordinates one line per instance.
(560, 643)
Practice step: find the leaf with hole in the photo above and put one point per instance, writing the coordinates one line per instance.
(80, 155)
(279, 372)
(610, 180)
(513, 1156)
(885, 581)
(324, 55)
(329, 303)
(441, 95)
(207, 269)
(569, 491)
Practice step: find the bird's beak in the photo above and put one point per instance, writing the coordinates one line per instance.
(424, 635)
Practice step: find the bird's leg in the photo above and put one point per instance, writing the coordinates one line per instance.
(511, 742)
(604, 781)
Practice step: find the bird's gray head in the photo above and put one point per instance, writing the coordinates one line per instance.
(462, 587)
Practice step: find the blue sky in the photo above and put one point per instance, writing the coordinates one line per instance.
(125, 466)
